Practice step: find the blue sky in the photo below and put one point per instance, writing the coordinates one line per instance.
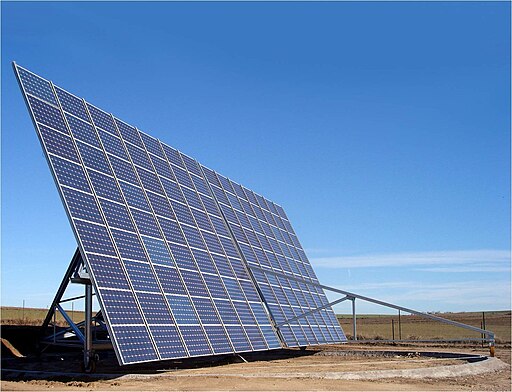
(382, 128)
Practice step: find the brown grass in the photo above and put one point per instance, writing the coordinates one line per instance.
(416, 327)
(34, 316)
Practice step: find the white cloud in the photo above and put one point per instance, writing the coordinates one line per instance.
(482, 257)
(475, 268)
(448, 296)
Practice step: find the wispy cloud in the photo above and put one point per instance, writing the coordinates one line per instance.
(476, 268)
(469, 295)
(474, 259)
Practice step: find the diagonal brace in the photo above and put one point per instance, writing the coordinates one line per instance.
(314, 310)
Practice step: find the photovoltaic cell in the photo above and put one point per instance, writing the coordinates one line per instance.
(174, 249)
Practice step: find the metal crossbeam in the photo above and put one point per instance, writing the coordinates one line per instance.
(73, 326)
(75, 262)
(313, 311)
(489, 334)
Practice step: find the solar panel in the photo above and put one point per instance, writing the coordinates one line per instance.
(182, 259)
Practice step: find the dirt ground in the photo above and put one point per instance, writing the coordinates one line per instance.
(286, 370)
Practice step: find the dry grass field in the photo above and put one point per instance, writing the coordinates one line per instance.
(415, 327)
(34, 316)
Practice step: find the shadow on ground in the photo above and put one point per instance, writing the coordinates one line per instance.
(65, 364)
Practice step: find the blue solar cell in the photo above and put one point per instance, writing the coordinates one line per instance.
(218, 339)
(149, 181)
(69, 173)
(182, 256)
(182, 177)
(129, 245)
(200, 185)
(145, 223)
(222, 264)
(228, 246)
(160, 205)
(105, 186)
(212, 242)
(172, 190)
(157, 251)
(256, 338)
(141, 276)
(123, 170)
(250, 291)
(134, 196)
(191, 165)
(192, 198)
(238, 268)
(192, 236)
(182, 310)
(94, 238)
(171, 231)
(202, 220)
(194, 283)
(82, 131)
(154, 308)
(72, 104)
(36, 86)
(134, 344)
(233, 289)
(259, 313)
(152, 145)
(227, 312)
(195, 340)
(170, 280)
(244, 221)
(215, 286)
(220, 196)
(162, 167)
(139, 156)
(270, 337)
(209, 205)
(204, 262)
(219, 226)
(238, 338)
(211, 176)
(108, 272)
(244, 312)
(239, 191)
(116, 215)
(173, 156)
(82, 205)
(129, 133)
(121, 305)
(102, 120)
(168, 341)
(94, 158)
(112, 144)
(206, 311)
(183, 214)
(59, 144)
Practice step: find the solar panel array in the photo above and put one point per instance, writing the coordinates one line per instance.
(174, 249)
(267, 241)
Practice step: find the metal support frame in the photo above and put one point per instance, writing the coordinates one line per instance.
(75, 263)
(488, 335)
(354, 322)
(312, 311)
(81, 334)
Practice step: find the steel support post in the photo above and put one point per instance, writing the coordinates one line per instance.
(354, 322)
(88, 355)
